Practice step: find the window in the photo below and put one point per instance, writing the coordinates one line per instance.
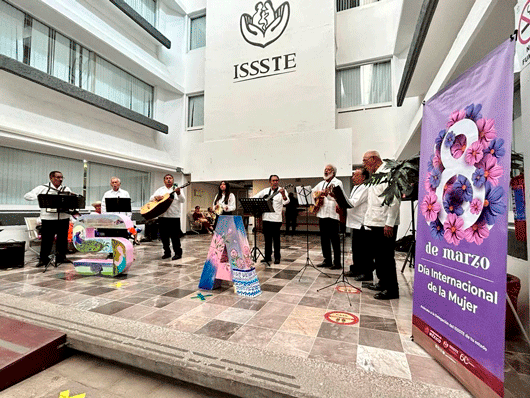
(135, 182)
(146, 8)
(198, 32)
(33, 43)
(196, 111)
(347, 4)
(363, 85)
(21, 171)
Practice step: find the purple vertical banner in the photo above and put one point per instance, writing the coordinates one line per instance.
(461, 244)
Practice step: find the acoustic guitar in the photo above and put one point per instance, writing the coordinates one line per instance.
(319, 198)
(155, 208)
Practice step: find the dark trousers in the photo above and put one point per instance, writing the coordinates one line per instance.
(382, 249)
(362, 256)
(290, 222)
(271, 232)
(169, 229)
(329, 236)
(49, 229)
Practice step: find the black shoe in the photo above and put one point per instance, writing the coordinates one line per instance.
(335, 267)
(364, 278)
(63, 260)
(375, 286)
(166, 255)
(351, 274)
(41, 264)
(266, 261)
(324, 265)
(276, 261)
(176, 257)
(386, 295)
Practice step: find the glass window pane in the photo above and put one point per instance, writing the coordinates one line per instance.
(348, 87)
(135, 182)
(39, 46)
(11, 32)
(61, 57)
(22, 171)
(198, 32)
(380, 87)
(146, 8)
(196, 111)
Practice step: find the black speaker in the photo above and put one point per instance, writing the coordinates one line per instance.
(12, 254)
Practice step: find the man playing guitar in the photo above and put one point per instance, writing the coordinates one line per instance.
(169, 221)
(272, 221)
(328, 218)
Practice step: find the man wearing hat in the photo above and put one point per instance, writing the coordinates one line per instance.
(97, 207)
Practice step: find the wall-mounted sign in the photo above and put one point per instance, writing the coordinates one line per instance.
(266, 24)
(522, 24)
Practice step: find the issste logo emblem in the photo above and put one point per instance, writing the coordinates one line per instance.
(266, 25)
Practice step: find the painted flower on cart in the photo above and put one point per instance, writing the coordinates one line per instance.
(430, 207)
(492, 170)
(477, 233)
(453, 229)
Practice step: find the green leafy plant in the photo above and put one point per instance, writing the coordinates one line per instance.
(401, 176)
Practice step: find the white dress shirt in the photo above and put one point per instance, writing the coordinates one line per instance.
(48, 189)
(376, 214)
(230, 206)
(329, 208)
(120, 193)
(277, 205)
(359, 200)
(174, 209)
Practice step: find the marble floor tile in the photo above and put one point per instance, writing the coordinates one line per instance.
(135, 312)
(158, 301)
(318, 302)
(207, 310)
(380, 339)
(286, 298)
(178, 293)
(378, 323)
(111, 308)
(519, 361)
(377, 310)
(333, 331)
(339, 352)
(267, 287)
(250, 304)
(136, 298)
(267, 321)
(430, 371)
(291, 344)
(252, 336)
(305, 326)
(223, 300)
(160, 317)
(301, 311)
(219, 329)
(188, 323)
(410, 347)
(91, 303)
(383, 361)
(236, 315)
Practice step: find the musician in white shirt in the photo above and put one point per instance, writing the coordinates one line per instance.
(363, 263)
(272, 221)
(115, 192)
(53, 223)
(169, 221)
(224, 202)
(328, 218)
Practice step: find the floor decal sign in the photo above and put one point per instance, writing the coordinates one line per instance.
(460, 277)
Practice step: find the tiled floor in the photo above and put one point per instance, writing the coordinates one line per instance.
(288, 316)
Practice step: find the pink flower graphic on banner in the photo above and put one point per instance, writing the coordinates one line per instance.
(437, 161)
(486, 131)
(475, 206)
(453, 232)
(477, 233)
(475, 153)
(427, 183)
(455, 117)
(459, 147)
(430, 207)
(492, 171)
